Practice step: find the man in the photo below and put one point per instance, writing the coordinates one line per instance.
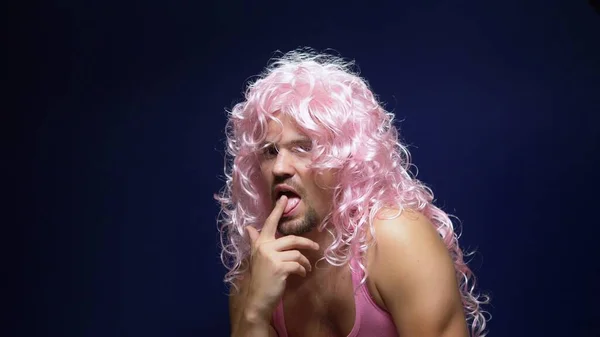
(324, 231)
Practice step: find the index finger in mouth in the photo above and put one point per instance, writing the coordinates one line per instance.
(270, 226)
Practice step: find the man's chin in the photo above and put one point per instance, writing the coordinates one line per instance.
(293, 227)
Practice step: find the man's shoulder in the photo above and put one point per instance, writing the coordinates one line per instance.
(414, 275)
(403, 229)
(403, 240)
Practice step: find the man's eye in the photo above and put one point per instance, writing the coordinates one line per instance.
(269, 151)
(304, 148)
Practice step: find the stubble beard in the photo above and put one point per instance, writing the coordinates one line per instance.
(299, 226)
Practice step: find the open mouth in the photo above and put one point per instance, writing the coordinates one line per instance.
(292, 202)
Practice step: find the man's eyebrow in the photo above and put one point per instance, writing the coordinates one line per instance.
(301, 140)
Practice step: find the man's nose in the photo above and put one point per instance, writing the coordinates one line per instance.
(283, 165)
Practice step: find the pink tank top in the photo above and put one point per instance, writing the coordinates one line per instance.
(370, 320)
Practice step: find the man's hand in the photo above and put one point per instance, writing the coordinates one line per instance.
(271, 262)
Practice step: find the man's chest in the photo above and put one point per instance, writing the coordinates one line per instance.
(321, 309)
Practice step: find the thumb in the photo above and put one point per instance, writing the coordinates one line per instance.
(253, 233)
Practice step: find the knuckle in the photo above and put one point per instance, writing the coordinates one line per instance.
(262, 250)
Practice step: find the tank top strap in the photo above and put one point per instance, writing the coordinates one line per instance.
(279, 320)
(357, 272)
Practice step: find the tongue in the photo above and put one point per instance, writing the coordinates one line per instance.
(291, 203)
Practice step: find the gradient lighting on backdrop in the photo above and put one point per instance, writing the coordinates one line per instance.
(498, 102)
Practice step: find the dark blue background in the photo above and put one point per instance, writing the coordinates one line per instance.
(124, 112)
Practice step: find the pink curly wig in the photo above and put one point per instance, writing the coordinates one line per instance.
(353, 134)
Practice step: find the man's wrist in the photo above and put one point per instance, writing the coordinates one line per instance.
(252, 323)
(254, 316)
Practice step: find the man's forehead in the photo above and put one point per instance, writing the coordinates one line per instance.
(284, 131)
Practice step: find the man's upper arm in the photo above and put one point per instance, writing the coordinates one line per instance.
(415, 276)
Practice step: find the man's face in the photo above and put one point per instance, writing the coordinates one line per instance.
(283, 161)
